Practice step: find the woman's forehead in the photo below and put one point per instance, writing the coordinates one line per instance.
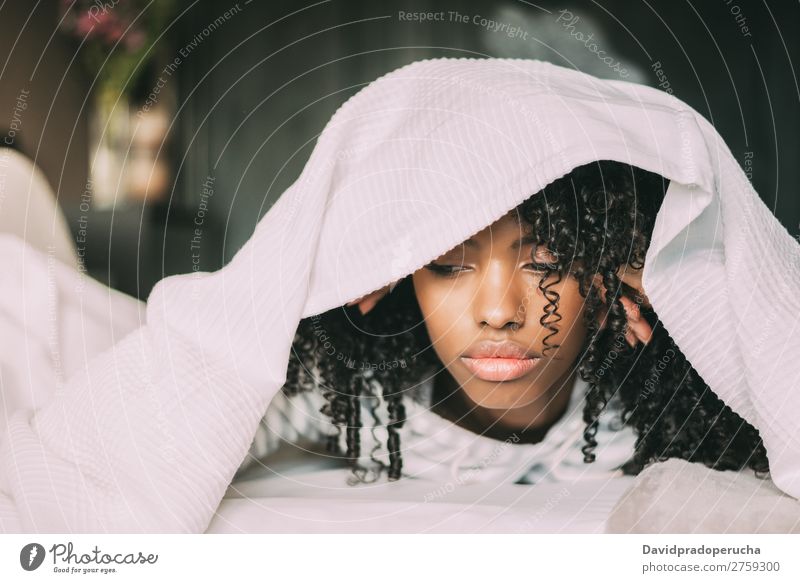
(508, 230)
(510, 225)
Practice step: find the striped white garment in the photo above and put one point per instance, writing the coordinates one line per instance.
(434, 448)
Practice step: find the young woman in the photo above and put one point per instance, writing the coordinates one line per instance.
(508, 329)
(474, 185)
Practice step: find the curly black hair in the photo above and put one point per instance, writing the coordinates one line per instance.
(596, 219)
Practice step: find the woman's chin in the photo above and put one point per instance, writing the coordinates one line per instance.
(499, 395)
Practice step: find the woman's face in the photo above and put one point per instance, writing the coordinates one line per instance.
(482, 310)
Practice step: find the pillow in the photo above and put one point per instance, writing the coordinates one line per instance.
(30, 208)
(676, 496)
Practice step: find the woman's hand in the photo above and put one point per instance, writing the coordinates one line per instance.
(638, 330)
(367, 302)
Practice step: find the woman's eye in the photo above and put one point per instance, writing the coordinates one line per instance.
(443, 269)
(449, 270)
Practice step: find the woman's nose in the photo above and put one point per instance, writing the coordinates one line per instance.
(498, 302)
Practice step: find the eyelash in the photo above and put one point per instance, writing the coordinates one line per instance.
(450, 270)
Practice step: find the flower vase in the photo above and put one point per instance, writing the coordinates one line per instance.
(109, 135)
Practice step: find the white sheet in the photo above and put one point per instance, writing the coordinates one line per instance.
(300, 493)
(293, 491)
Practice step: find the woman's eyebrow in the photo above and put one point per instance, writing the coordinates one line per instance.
(526, 240)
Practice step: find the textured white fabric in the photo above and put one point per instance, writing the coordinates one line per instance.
(437, 450)
(54, 322)
(406, 169)
(29, 208)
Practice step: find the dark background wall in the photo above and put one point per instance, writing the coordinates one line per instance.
(53, 125)
(254, 92)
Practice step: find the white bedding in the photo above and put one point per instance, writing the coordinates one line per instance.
(299, 492)
(295, 492)
(677, 496)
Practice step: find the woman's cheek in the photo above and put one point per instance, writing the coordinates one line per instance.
(572, 327)
(570, 307)
(441, 306)
(443, 316)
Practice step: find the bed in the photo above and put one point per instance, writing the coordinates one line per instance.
(297, 491)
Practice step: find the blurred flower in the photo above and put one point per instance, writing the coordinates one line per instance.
(135, 40)
(118, 37)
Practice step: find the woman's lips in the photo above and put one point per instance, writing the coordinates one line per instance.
(499, 369)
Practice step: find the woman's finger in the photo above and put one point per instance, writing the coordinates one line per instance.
(633, 278)
(369, 301)
(364, 297)
(631, 309)
(638, 327)
(638, 332)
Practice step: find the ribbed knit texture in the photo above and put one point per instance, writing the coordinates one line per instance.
(406, 169)
(149, 436)
(438, 451)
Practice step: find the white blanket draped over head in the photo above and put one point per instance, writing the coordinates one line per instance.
(409, 167)
(431, 153)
